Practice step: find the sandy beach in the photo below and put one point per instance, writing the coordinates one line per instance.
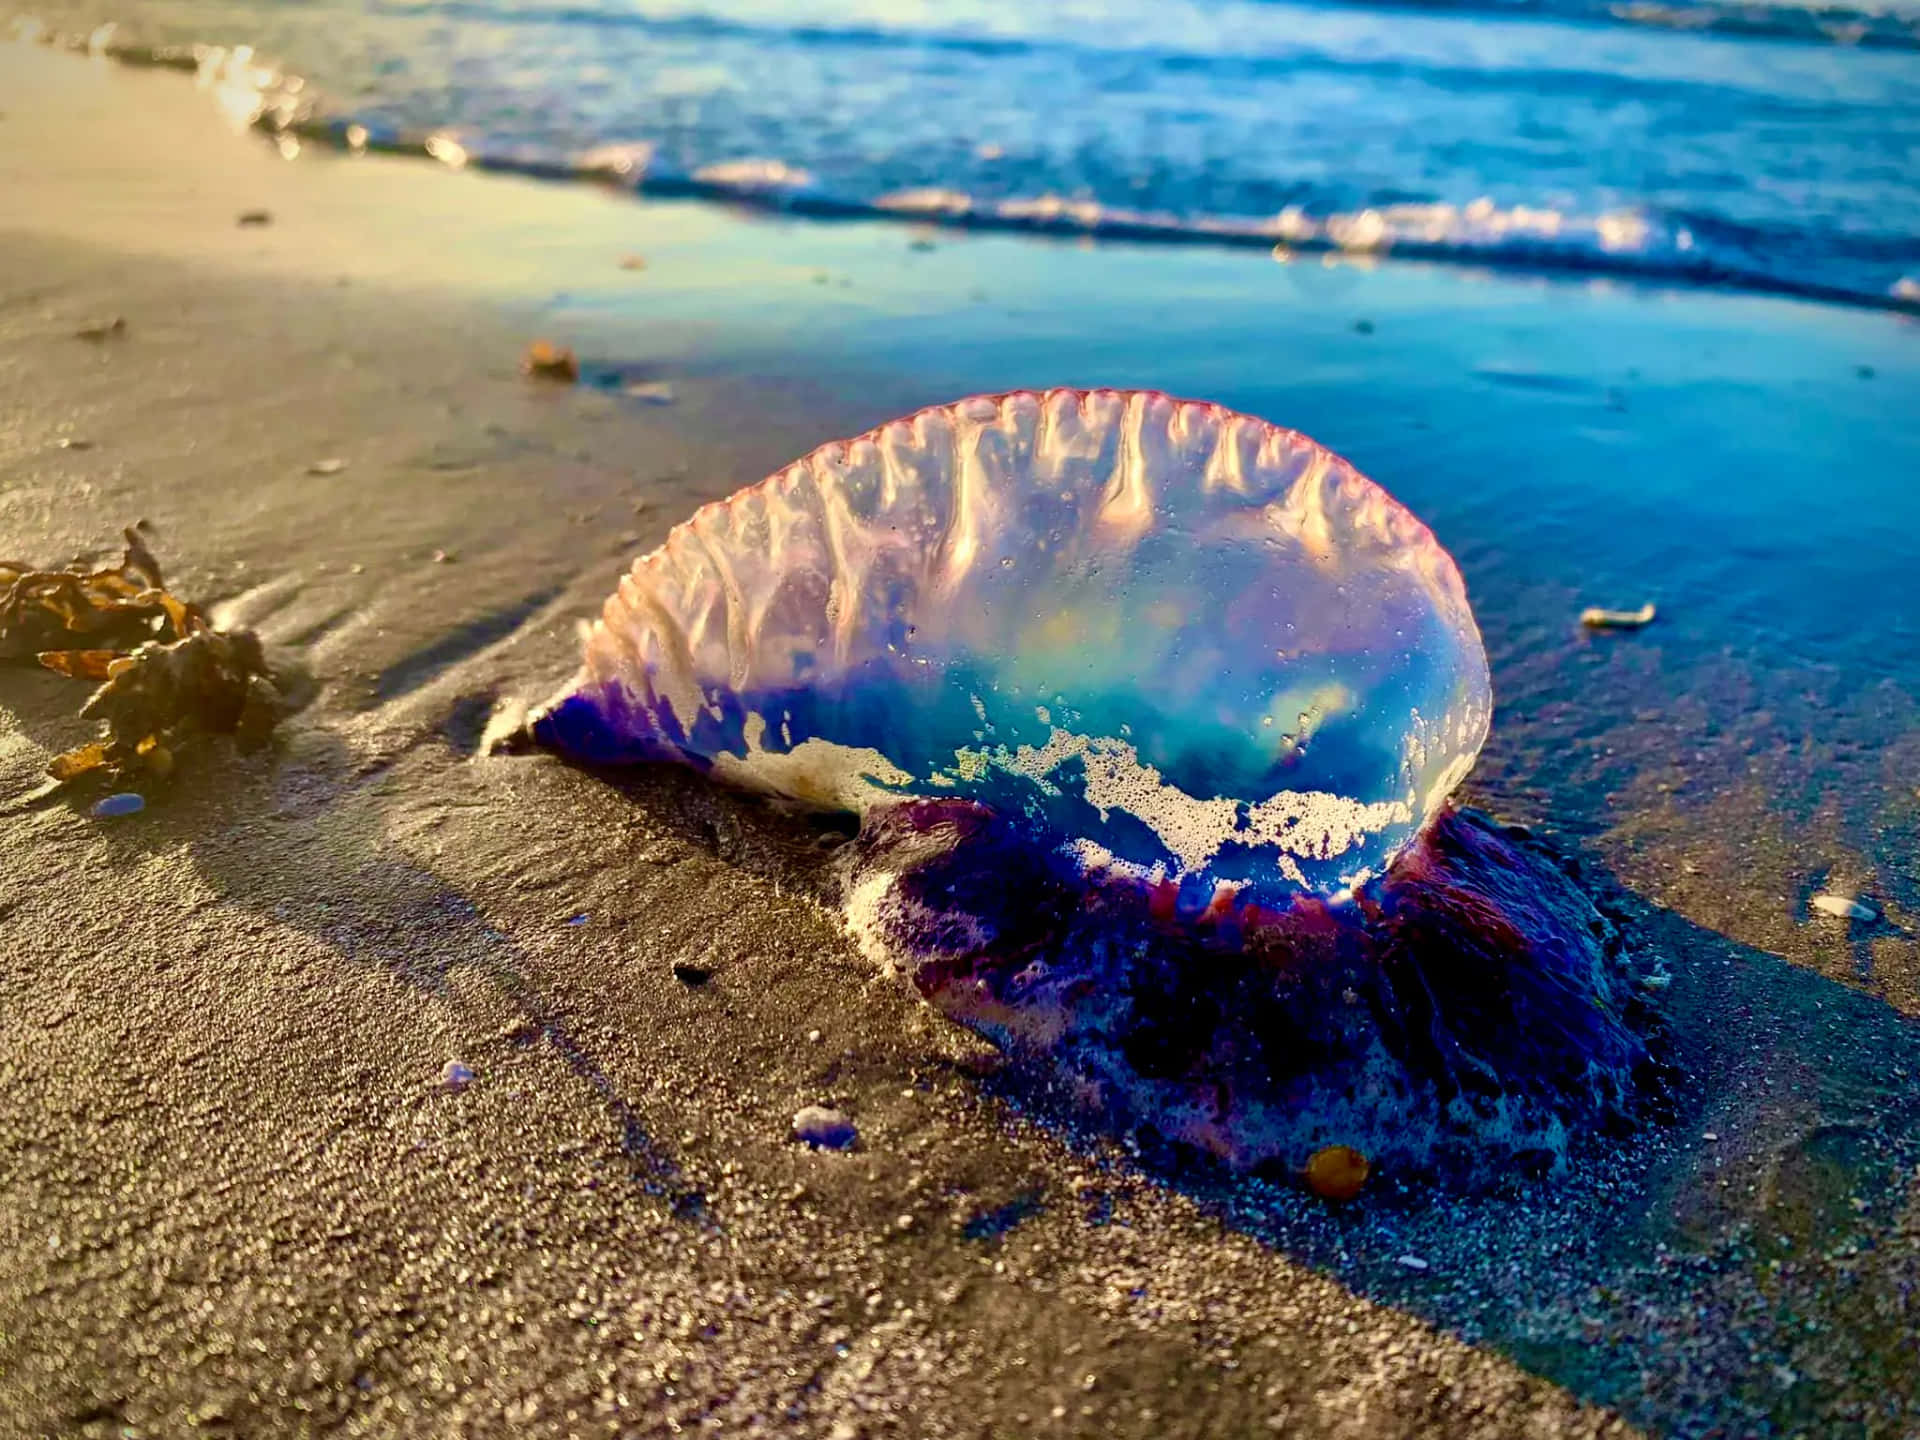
(238, 1197)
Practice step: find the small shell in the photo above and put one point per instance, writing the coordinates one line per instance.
(1843, 907)
(1594, 618)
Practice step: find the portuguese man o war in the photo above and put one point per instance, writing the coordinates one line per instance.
(1151, 711)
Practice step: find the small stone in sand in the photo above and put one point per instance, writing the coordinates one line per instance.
(69, 443)
(1594, 618)
(1843, 907)
(633, 262)
(814, 1037)
(443, 557)
(1337, 1172)
(689, 974)
(115, 806)
(110, 330)
(653, 392)
(1412, 1262)
(824, 1129)
(330, 466)
(456, 1077)
(256, 217)
(546, 361)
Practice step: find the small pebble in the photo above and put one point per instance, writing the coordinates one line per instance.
(814, 1037)
(256, 217)
(1843, 907)
(903, 1223)
(456, 1077)
(115, 806)
(112, 329)
(1337, 1172)
(824, 1129)
(443, 557)
(546, 361)
(1709, 1136)
(330, 466)
(1412, 1262)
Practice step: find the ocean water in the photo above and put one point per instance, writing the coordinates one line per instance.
(1761, 146)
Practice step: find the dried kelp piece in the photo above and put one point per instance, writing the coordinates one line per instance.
(79, 761)
(213, 682)
(116, 607)
(81, 664)
(166, 674)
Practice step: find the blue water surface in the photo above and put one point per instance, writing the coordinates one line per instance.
(1770, 146)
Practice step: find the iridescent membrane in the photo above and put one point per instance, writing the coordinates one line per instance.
(1178, 644)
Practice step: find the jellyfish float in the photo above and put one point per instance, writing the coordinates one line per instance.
(1151, 712)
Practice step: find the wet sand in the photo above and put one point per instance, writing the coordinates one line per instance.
(235, 1195)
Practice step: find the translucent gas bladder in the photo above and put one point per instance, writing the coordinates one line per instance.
(1180, 644)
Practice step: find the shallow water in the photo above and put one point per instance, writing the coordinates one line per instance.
(1768, 145)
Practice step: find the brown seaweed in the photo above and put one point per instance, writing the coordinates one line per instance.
(116, 607)
(164, 673)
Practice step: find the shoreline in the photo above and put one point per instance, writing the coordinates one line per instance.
(282, 107)
(234, 1189)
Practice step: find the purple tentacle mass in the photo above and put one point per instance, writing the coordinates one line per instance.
(1471, 1011)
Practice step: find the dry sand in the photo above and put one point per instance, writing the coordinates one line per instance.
(236, 1196)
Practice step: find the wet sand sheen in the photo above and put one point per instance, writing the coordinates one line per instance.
(230, 1168)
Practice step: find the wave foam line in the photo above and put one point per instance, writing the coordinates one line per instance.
(1629, 244)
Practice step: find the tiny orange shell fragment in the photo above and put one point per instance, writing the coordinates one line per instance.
(547, 361)
(1337, 1172)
